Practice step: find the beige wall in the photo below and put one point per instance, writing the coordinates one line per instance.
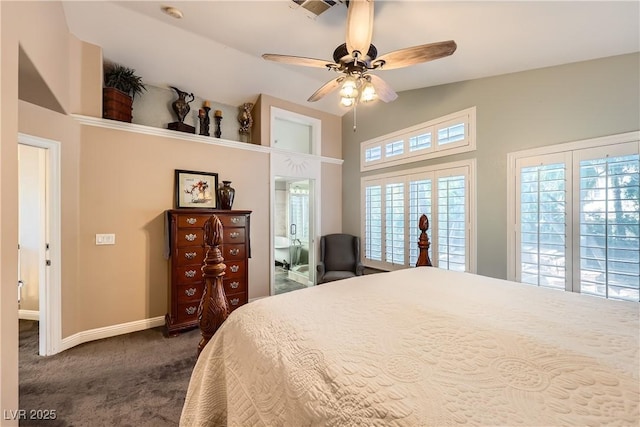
(514, 112)
(8, 214)
(127, 183)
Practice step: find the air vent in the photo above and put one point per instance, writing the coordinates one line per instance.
(315, 7)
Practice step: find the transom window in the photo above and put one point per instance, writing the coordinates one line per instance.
(451, 134)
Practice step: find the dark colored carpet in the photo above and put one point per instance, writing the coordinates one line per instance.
(137, 379)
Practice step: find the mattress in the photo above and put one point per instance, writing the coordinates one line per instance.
(420, 347)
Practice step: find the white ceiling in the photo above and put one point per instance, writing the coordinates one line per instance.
(215, 50)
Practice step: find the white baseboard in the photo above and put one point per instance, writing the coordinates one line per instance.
(110, 331)
(29, 314)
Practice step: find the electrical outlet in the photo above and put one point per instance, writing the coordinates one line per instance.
(105, 239)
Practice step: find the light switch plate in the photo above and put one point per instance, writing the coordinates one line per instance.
(105, 239)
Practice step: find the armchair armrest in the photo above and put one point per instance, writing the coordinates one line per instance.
(359, 268)
(320, 268)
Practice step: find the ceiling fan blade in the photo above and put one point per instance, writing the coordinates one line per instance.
(299, 60)
(359, 26)
(416, 54)
(327, 88)
(383, 90)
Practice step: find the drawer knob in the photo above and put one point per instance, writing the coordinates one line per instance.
(190, 237)
(190, 255)
(234, 268)
(234, 251)
(190, 292)
(234, 285)
(234, 235)
(190, 273)
(190, 310)
(191, 221)
(235, 220)
(234, 301)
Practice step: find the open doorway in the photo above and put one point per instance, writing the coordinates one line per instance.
(295, 191)
(293, 234)
(39, 238)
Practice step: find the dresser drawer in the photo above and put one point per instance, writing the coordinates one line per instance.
(234, 285)
(189, 275)
(233, 235)
(233, 252)
(236, 300)
(190, 255)
(193, 221)
(187, 312)
(189, 237)
(190, 293)
(229, 221)
(235, 269)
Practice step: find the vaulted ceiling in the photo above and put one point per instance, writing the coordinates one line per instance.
(215, 49)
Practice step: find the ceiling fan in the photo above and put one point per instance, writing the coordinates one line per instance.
(355, 58)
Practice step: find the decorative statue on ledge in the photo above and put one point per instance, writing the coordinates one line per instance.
(217, 116)
(203, 115)
(246, 121)
(181, 108)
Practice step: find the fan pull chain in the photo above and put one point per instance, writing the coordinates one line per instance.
(354, 118)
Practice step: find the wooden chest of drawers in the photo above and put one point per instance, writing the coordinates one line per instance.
(186, 244)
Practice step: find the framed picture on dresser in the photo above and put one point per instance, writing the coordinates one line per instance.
(196, 189)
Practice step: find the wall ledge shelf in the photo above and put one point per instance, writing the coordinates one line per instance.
(167, 133)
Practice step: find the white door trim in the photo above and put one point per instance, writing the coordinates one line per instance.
(287, 164)
(50, 293)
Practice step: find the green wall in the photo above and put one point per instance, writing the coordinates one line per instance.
(514, 112)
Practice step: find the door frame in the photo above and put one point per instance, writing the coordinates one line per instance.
(291, 165)
(50, 293)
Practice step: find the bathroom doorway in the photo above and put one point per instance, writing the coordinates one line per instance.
(293, 234)
(295, 199)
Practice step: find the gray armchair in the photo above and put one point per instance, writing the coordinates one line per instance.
(339, 257)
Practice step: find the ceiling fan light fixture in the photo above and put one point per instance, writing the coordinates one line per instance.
(347, 102)
(349, 88)
(368, 93)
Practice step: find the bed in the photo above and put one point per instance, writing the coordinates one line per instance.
(420, 347)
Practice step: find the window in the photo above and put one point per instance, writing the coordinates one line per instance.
(451, 134)
(452, 223)
(454, 133)
(393, 203)
(299, 213)
(576, 217)
(394, 148)
(542, 225)
(372, 154)
(610, 227)
(420, 142)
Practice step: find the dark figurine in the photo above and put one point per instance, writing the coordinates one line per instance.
(203, 115)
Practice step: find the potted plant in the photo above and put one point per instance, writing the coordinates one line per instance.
(121, 85)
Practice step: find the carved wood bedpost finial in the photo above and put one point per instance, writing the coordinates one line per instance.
(213, 309)
(423, 243)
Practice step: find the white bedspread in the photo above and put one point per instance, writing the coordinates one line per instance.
(421, 347)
